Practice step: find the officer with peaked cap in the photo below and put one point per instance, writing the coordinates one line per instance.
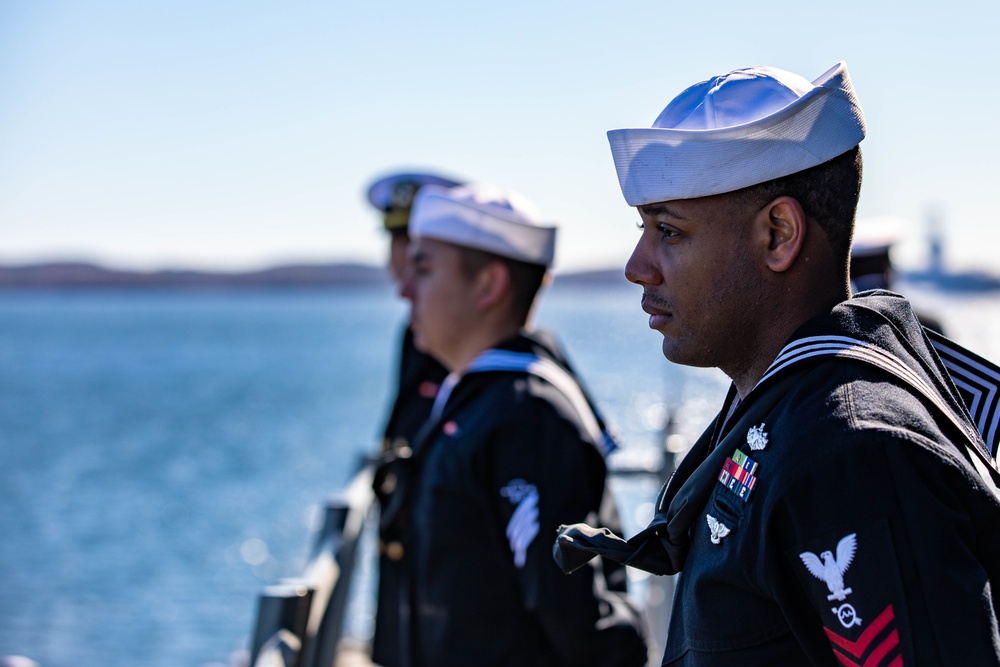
(393, 196)
(513, 448)
(420, 376)
(841, 508)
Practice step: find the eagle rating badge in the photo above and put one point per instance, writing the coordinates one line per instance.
(830, 570)
(523, 526)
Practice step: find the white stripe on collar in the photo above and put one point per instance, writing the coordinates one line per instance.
(851, 348)
(979, 379)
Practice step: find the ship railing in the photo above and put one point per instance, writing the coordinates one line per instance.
(301, 621)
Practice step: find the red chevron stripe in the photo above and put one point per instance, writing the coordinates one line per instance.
(858, 647)
(878, 655)
(844, 660)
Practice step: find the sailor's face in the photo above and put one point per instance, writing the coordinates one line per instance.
(442, 297)
(399, 243)
(699, 285)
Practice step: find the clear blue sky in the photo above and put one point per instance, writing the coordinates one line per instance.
(240, 134)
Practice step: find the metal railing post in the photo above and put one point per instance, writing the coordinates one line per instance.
(300, 621)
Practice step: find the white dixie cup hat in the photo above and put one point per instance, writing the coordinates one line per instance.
(484, 217)
(736, 130)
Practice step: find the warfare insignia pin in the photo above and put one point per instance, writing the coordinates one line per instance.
(757, 438)
(830, 569)
(719, 530)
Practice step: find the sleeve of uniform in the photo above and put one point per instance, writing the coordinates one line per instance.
(544, 474)
(896, 562)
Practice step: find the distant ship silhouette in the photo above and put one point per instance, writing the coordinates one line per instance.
(937, 276)
(872, 267)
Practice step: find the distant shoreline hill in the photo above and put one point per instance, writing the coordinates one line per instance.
(69, 275)
(82, 274)
(970, 281)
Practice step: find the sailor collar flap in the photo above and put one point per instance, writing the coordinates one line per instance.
(500, 360)
(397, 471)
(964, 387)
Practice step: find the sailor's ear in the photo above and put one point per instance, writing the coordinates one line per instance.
(784, 223)
(492, 283)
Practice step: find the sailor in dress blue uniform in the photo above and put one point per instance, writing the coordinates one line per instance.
(842, 508)
(512, 449)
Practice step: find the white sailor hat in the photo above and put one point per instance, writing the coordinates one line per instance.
(393, 195)
(739, 129)
(484, 217)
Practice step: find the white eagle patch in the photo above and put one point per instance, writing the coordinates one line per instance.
(831, 570)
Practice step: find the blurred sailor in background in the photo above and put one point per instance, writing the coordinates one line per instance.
(513, 448)
(420, 376)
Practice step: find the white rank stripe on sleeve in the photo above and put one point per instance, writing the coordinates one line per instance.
(523, 527)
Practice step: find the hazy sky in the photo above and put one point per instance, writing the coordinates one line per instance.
(240, 134)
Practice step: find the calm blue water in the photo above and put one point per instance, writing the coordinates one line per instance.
(162, 454)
